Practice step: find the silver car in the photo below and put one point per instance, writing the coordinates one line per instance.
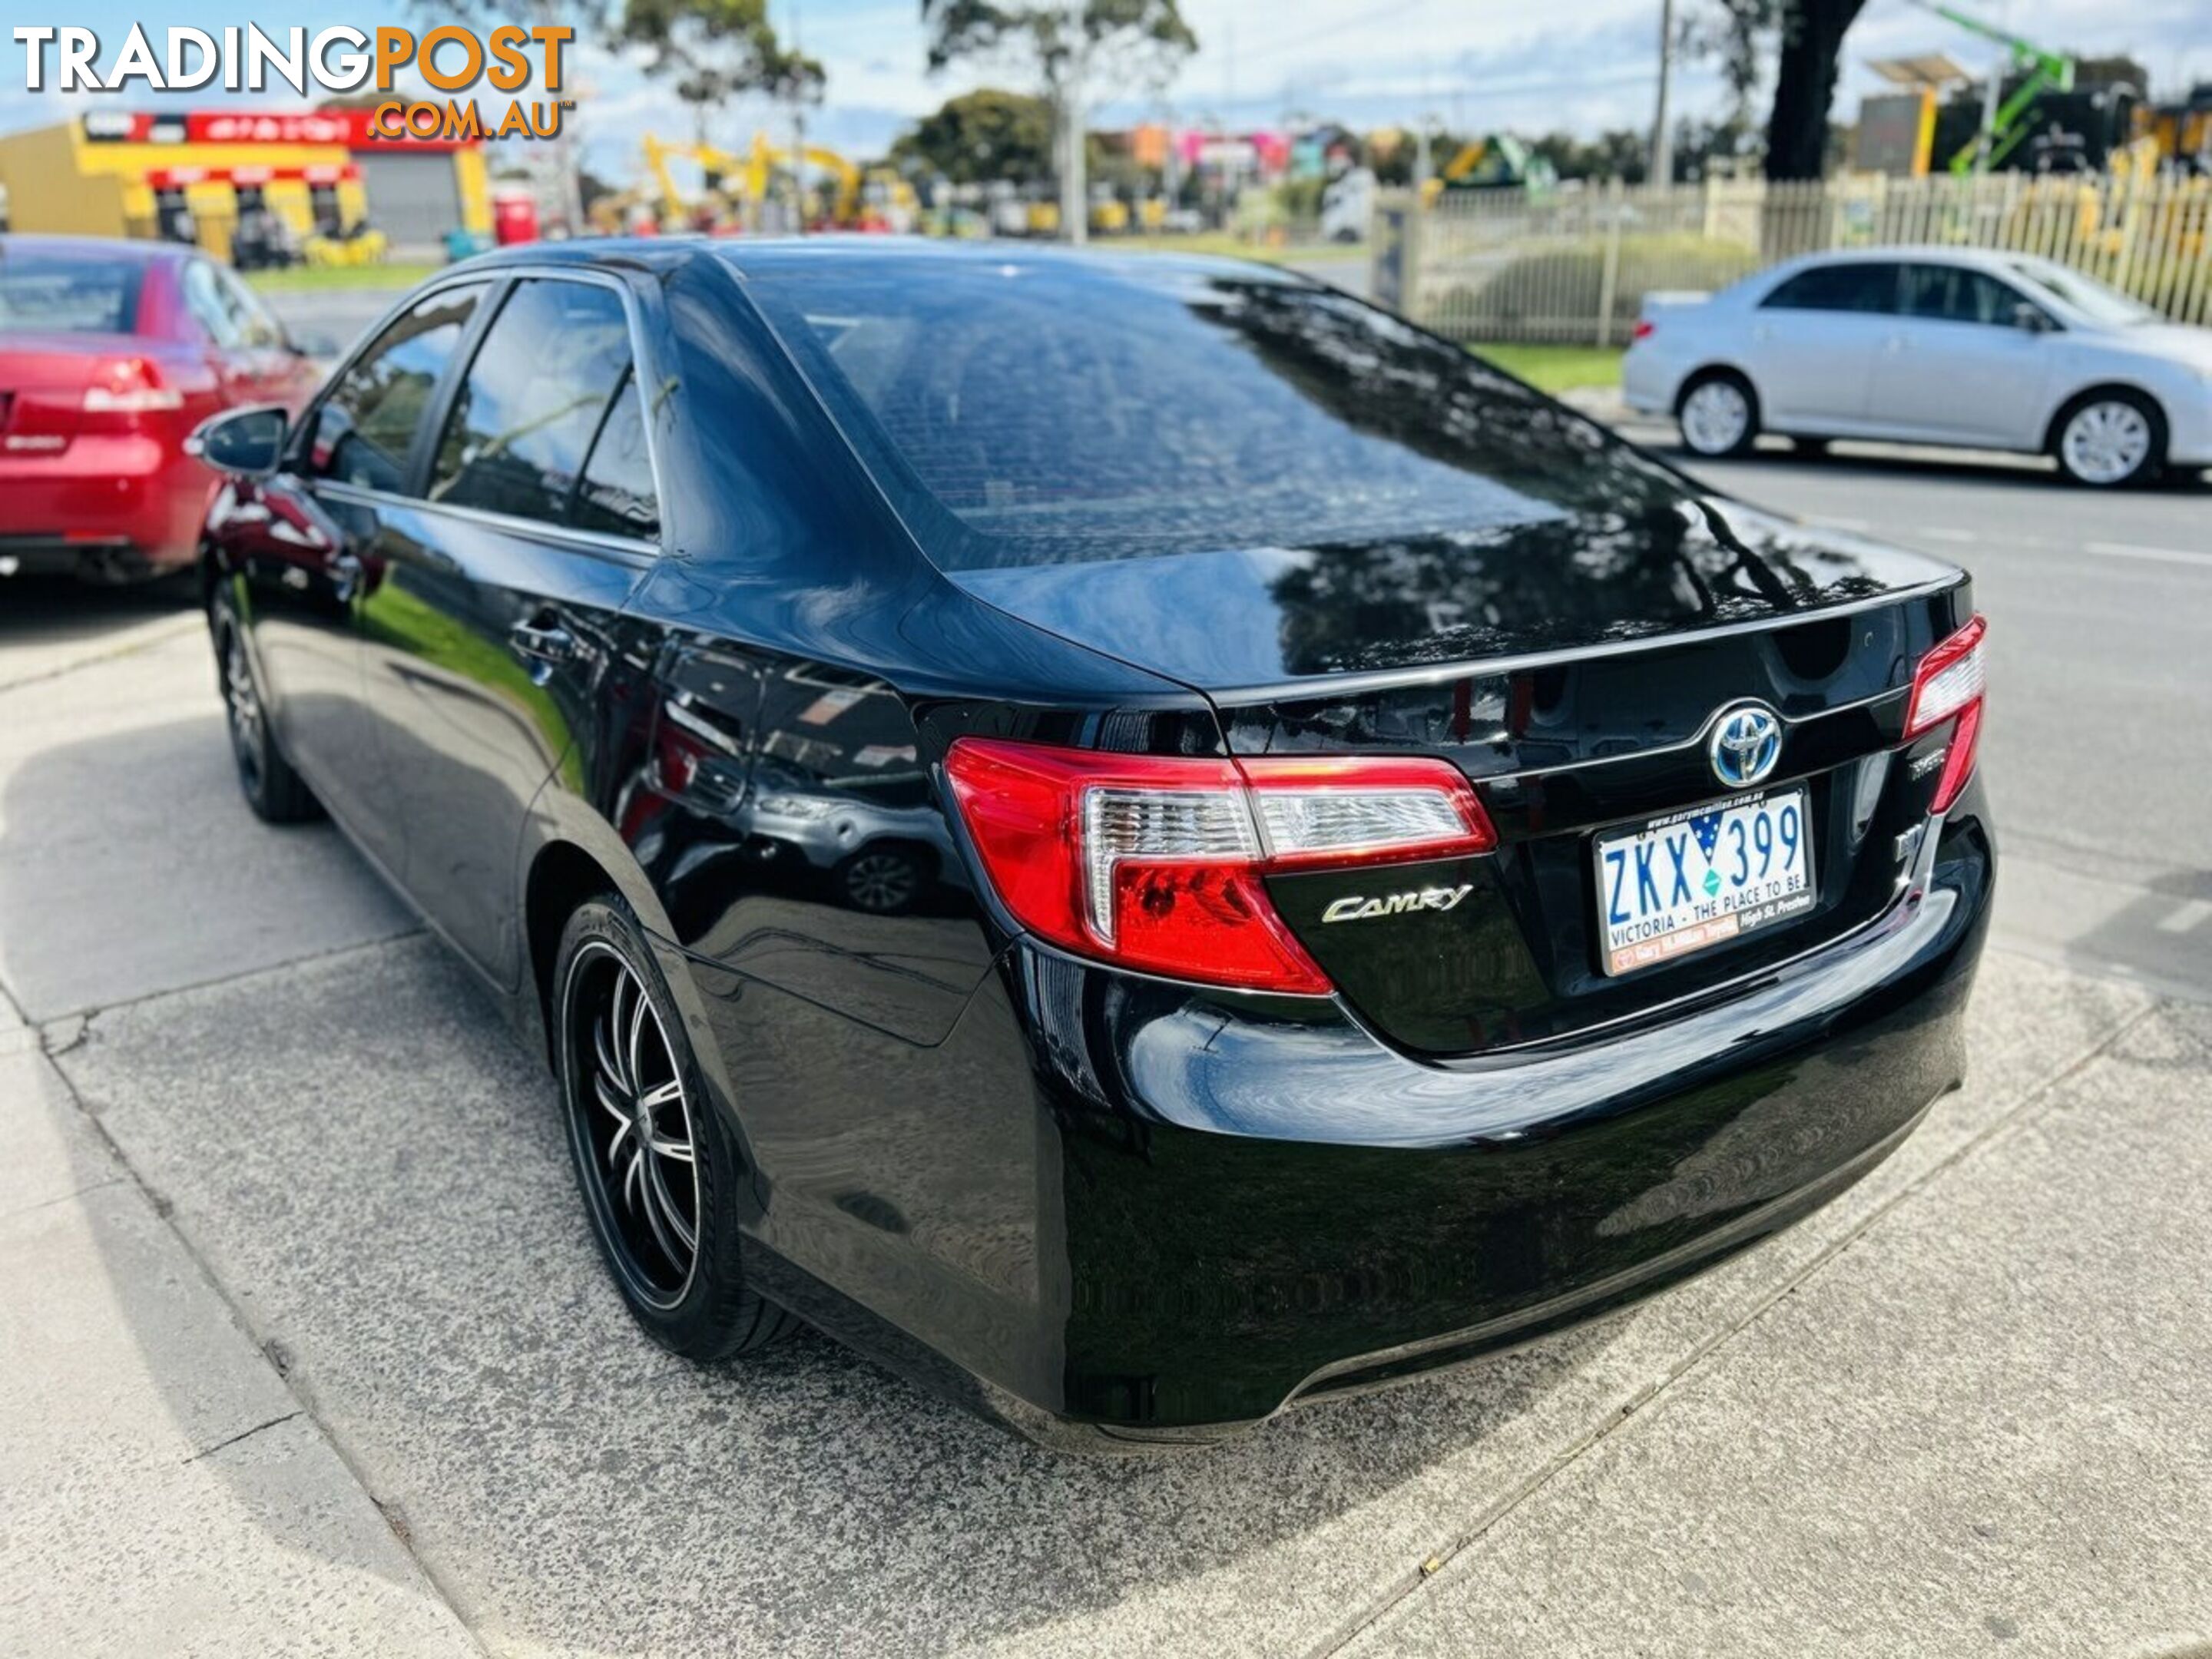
(1986, 350)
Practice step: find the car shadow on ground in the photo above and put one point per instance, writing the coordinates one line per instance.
(49, 614)
(1891, 463)
(375, 1173)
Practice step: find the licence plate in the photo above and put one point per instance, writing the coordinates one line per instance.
(1703, 877)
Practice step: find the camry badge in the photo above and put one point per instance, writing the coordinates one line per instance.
(1745, 744)
(1357, 909)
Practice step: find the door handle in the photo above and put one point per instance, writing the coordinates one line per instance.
(547, 643)
(1893, 344)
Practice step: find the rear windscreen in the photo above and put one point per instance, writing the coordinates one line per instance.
(1050, 410)
(43, 295)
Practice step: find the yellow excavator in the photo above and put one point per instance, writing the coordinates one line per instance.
(738, 184)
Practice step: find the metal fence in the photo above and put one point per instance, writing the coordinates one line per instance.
(1575, 266)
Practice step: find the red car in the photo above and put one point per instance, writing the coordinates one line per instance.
(110, 353)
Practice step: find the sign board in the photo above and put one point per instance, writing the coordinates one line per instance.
(1896, 133)
(349, 127)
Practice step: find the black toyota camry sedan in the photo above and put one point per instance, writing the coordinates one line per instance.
(1138, 839)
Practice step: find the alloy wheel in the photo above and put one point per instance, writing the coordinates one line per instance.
(2106, 443)
(632, 1116)
(880, 882)
(249, 731)
(1716, 416)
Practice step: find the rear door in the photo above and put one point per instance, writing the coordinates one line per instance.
(488, 633)
(1812, 341)
(1955, 364)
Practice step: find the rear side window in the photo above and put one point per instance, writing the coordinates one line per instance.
(212, 306)
(616, 496)
(364, 429)
(543, 385)
(1953, 293)
(43, 294)
(1863, 289)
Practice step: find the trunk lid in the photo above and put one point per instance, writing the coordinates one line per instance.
(1574, 670)
(42, 379)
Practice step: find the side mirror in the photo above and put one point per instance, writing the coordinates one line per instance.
(320, 348)
(2033, 318)
(247, 443)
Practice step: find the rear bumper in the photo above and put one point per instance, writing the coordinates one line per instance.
(106, 507)
(1649, 378)
(1232, 1205)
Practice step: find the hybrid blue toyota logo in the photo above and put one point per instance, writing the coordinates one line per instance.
(1747, 743)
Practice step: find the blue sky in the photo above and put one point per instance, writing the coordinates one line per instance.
(1581, 65)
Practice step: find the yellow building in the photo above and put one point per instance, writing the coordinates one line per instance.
(124, 173)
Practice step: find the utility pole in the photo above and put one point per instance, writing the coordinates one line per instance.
(1074, 185)
(1663, 136)
(566, 163)
(798, 138)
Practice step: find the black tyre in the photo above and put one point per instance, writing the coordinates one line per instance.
(1718, 414)
(277, 793)
(2108, 440)
(885, 880)
(656, 1166)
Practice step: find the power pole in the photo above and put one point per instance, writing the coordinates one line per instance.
(566, 163)
(1074, 185)
(1663, 136)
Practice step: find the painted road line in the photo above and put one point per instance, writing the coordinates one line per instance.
(2156, 554)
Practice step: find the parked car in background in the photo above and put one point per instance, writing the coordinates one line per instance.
(1411, 872)
(111, 353)
(1980, 349)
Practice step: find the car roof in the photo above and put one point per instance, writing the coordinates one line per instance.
(1919, 254)
(762, 256)
(122, 250)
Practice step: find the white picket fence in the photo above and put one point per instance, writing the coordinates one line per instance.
(1574, 267)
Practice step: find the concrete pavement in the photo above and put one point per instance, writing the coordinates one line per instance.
(308, 1347)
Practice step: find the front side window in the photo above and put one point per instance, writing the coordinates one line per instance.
(541, 387)
(1956, 293)
(364, 429)
(1863, 288)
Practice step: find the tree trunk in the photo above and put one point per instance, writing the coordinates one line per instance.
(1805, 86)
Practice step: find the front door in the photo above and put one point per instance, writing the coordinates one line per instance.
(1958, 365)
(490, 631)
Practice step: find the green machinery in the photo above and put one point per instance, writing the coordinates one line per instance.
(2005, 125)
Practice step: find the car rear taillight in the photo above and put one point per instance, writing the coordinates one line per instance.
(1156, 863)
(122, 390)
(1947, 685)
(1643, 330)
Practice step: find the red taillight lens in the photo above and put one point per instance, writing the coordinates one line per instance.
(1947, 685)
(1155, 863)
(122, 390)
(1642, 331)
